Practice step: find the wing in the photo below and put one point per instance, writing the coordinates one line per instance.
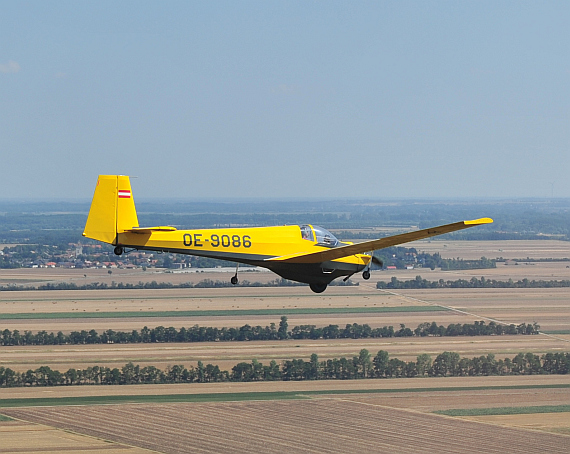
(367, 246)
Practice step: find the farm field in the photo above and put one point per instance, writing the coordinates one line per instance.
(392, 398)
(510, 249)
(315, 425)
(394, 414)
(26, 437)
(228, 354)
(134, 309)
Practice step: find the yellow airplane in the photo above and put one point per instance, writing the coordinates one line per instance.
(302, 253)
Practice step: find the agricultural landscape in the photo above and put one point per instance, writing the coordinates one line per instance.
(247, 411)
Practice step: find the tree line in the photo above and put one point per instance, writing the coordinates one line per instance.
(363, 366)
(420, 283)
(247, 332)
(204, 283)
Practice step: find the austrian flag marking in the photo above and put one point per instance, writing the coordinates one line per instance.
(124, 194)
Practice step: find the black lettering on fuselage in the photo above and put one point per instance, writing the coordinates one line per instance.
(216, 241)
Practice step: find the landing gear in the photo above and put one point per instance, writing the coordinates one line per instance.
(118, 250)
(366, 275)
(234, 280)
(318, 288)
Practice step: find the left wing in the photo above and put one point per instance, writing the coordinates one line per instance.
(367, 246)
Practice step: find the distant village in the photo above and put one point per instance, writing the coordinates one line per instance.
(80, 256)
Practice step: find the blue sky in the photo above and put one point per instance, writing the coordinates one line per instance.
(285, 99)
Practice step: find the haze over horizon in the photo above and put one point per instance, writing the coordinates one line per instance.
(282, 100)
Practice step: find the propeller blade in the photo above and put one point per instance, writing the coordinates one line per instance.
(377, 261)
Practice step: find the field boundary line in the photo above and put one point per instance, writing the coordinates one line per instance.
(498, 411)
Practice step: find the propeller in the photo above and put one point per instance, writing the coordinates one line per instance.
(377, 261)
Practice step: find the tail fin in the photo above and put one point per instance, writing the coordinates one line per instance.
(112, 209)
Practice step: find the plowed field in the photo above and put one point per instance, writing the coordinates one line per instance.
(317, 426)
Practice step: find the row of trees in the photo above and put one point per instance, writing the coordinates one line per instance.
(247, 332)
(419, 283)
(358, 367)
(205, 283)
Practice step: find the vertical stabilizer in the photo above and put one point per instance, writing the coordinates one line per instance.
(112, 209)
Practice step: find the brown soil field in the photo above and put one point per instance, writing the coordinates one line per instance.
(317, 426)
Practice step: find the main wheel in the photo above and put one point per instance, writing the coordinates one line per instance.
(118, 250)
(366, 275)
(318, 288)
(234, 280)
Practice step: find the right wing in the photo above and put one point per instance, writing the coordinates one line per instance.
(367, 246)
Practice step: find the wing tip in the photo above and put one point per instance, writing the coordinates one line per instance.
(479, 221)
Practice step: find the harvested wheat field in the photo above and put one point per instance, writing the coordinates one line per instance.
(508, 249)
(25, 437)
(318, 426)
(548, 422)
(228, 354)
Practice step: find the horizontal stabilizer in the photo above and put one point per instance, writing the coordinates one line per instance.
(161, 228)
(373, 245)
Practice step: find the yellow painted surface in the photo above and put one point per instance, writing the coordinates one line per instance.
(548, 422)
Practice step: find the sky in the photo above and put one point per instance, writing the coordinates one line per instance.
(282, 99)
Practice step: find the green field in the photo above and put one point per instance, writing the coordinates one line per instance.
(220, 313)
(245, 396)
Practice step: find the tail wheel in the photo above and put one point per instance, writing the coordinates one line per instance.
(318, 288)
(234, 280)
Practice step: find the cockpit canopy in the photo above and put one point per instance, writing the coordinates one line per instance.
(323, 236)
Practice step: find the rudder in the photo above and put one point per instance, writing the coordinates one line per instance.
(112, 209)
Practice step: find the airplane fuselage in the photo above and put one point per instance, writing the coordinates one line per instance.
(253, 246)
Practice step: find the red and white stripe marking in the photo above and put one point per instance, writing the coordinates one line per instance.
(124, 194)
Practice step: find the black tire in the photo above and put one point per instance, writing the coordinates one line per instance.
(118, 250)
(234, 280)
(366, 275)
(318, 288)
